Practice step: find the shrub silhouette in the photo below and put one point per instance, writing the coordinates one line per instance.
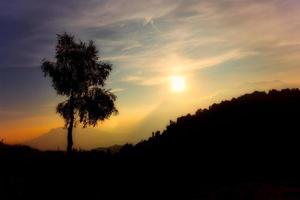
(80, 76)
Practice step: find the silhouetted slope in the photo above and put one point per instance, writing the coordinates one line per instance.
(245, 148)
(254, 131)
(15, 150)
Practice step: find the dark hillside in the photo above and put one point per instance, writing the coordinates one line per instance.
(257, 131)
(245, 148)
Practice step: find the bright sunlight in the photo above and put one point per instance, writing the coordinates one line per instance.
(177, 83)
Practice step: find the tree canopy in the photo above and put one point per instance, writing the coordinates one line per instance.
(80, 75)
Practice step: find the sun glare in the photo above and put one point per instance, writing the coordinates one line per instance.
(177, 84)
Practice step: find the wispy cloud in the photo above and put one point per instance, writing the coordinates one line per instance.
(116, 90)
(132, 78)
(164, 68)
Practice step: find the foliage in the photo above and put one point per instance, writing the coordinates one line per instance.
(79, 75)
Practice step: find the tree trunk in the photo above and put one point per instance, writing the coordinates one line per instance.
(70, 128)
(70, 136)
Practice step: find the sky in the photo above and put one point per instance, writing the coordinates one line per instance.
(219, 48)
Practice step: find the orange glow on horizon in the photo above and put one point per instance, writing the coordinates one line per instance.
(22, 130)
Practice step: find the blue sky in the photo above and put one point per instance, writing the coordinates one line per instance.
(222, 48)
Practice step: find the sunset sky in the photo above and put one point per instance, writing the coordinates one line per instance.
(170, 57)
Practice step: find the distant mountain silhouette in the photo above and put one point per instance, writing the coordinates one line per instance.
(86, 139)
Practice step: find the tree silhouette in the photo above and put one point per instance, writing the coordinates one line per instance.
(80, 76)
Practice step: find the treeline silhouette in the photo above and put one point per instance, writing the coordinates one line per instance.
(254, 128)
(231, 150)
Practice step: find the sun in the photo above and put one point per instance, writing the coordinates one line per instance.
(177, 83)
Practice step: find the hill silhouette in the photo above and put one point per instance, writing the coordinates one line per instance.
(249, 128)
(243, 148)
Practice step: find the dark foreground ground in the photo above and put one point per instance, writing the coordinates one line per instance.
(246, 148)
(63, 177)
